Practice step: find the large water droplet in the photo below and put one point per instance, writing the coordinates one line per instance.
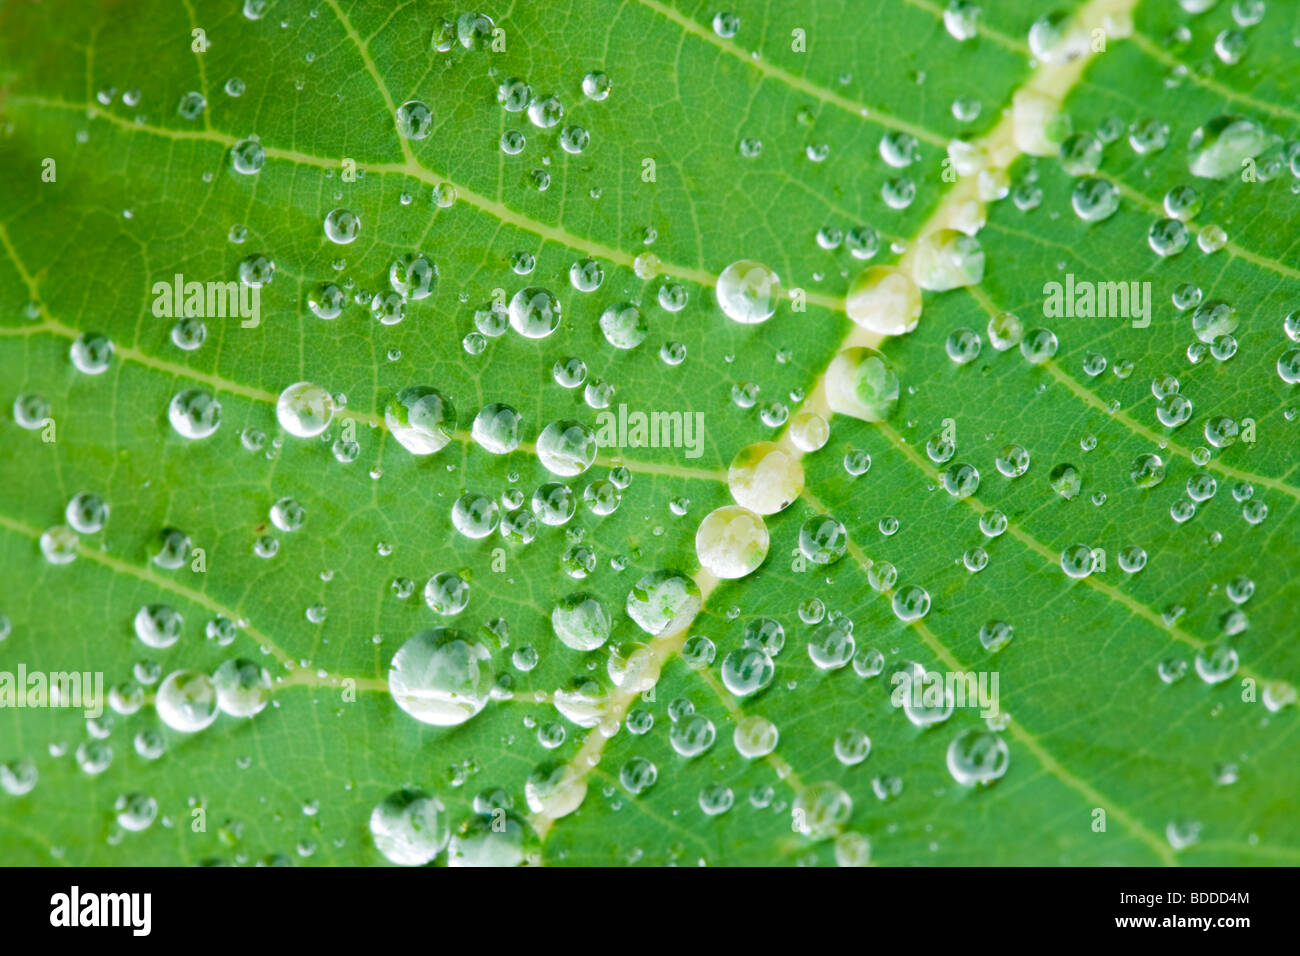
(662, 603)
(861, 383)
(764, 478)
(731, 542)
(1218, 149)
(187, 701)
(977, 757)
(884, 300)
(421, 418)
(304, 410)
(747, 291)
(409, 827)
(441, 676)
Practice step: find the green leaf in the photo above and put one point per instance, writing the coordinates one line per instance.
(116, 179)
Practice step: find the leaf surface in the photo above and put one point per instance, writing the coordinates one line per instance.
(1107, 763)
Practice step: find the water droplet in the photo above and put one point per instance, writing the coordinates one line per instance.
(304, 410)
(1217, 149)
(421, 418)
(414, 120)
(821, 810)
(623, 326)
(764, 478)
(187, 701)
(243, 688)
(247, 157)
(446, 593)
(731, 542)
(755, 737)
(441, 677)
(977, 757)
(409, 827)
(581, 622)
(194, 413)
(747, 292)
(91, 353)
(1094, 199)
(661, 603)
(566, 448)
(534, 312)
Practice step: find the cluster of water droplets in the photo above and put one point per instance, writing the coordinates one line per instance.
(444, 675)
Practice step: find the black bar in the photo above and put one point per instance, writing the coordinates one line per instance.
(331, 906)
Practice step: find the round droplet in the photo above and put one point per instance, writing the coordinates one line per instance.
(422, 419)
(884, 300)
(638, 775)
(1215, 663)
(821, 810)
(446, 593)
(546, 111)
(304, 410)
(441, 677)
(135, 811)
(662, 603)
(861, 382)
(961, 480)
(995, 635)
(823, 539)
(1132, 559)
(809, 431)
(413, 277)
(1214, 318)
(342, 226)
(287, 514)
(1038, 346)
(977, 757)
(243, 688)
(623, 326)
(414, 120)
(566, 448)
(910, 603)
(747, 292)
(831, 646)
(91, 353)
(851, 747)
(731, 542)
(755, 737)
(475, 515)
(187, 701)
(194, 413)
(581, 622)
(747, 670)
(326, 301)
(1147, 470)
(1094, 199)
(409, 827)
(692, 735)
(86, 513)
(496, 429)
(534, 312)
(158, 625)
(554, 503)
(764, 478)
